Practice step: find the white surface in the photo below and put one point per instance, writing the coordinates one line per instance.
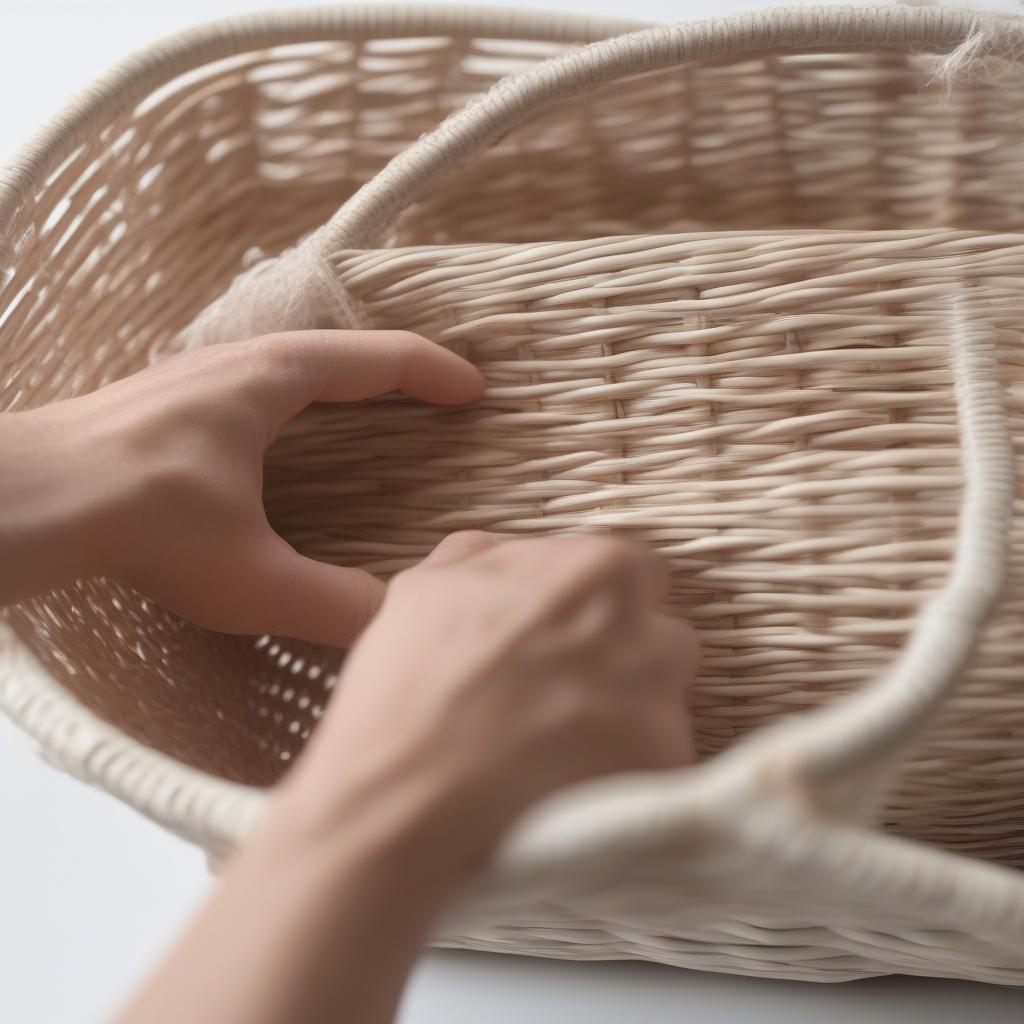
(90, 893)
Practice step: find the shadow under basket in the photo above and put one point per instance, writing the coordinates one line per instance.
(748, 291)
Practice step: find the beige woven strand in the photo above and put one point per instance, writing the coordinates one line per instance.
(123, 129)
(937, 653)
(713, 302)
(832, 758)
(139, 75)
(290, 291)
(885, 718)
(365, 217)
(845, 743)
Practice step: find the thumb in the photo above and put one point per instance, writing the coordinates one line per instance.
(347, 366)
(284, 593)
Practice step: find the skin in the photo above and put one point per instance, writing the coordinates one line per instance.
(157, 479)
(490, 676)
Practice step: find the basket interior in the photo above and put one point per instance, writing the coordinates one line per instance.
(775, 412)
(140, 227)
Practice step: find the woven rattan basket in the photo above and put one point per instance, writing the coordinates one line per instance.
(748, 290)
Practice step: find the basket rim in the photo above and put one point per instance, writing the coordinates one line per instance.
(216, 812)
(197, 804)
(152, 66)
(364, 218)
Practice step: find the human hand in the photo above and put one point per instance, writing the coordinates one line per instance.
(495, 673)
(157, 479)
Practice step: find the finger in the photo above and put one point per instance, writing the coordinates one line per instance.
(458, 546)
(284, 593)
(682, 646)
(653, 572)
(347, 366)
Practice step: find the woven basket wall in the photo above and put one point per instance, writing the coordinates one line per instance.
(139, 206)
(719, 304)
(773, 411)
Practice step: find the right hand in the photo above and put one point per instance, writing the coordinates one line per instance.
(496, 673)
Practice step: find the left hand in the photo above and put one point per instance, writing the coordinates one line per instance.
(157, 479)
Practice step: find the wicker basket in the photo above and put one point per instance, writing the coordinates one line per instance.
(748, 290)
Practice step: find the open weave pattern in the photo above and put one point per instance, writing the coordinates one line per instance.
(140, 204)
(115, 248)
(214, 160)
(848, 140)
(786, 434)
(860, 139)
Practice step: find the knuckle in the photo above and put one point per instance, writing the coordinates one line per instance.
(407, 580)
(283, 359)
(413, 583)
(597, 564)
(467, 542)
(607, 555)
(571, 556)
(278, 357)
(403, 344)
(253, 356)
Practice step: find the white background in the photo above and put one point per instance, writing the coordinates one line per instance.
(90, 892)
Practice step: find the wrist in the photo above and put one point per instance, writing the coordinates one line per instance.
(297, 927)
(402, 827)
(66, 488)
(49, 508)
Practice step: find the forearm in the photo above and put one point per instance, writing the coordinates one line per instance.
(311, 923)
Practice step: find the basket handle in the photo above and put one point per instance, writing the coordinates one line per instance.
(364, 218)
(835, 751)
(298, 288)
(839, 751)
(785, 789)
